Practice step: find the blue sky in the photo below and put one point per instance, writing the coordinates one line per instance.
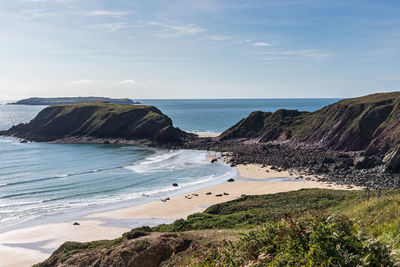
(199, 49)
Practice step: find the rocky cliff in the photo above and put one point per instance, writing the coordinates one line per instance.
(99, 120)
(130, 250)
(366, 123)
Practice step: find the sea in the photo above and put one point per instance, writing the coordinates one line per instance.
(40, 181)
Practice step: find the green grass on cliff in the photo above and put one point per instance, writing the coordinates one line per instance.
(309, 227)
(350, 124)
(250, 211)
(104, 110)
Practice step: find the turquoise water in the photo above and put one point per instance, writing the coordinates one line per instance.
(40, 180)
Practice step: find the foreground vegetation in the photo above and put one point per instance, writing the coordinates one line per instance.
(310, 227)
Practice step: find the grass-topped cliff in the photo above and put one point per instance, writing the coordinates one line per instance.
(310, 227)
(370, 123)
(355, 124)
(99, 120)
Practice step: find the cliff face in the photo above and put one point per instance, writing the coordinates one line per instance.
(99, 120)
(369, 122)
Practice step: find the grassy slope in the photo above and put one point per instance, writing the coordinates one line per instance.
(95, 119)
(350, 124)
(379, 219)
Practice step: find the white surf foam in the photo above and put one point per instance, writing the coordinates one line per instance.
(175, 160)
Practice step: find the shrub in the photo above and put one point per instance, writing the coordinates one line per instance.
(305, 241)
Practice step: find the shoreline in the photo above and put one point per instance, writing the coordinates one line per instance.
(30, 245)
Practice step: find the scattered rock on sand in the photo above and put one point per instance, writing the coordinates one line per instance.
(208, 193)
(76, 223)
(231, 180)
(226, 194)
(175, 184)
(218, 195)
(165, 199)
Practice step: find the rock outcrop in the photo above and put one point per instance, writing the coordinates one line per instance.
(99, 120)
(147, 251)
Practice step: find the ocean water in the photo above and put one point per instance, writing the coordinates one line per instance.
(41, 180)
(217, 115)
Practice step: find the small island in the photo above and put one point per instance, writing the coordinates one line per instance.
(98, 122)
(38, 101)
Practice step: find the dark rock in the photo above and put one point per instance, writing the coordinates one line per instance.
(328, 160)
(392, 160)
(23, 142)
(76, 223)
(214, 160)
(231, 180)
(226, 194)
(208, 193)
(218, 195)
(175, 184)
(106, 142)
(367, 162)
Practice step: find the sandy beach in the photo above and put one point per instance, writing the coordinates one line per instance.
(27, 246)
(207, 134)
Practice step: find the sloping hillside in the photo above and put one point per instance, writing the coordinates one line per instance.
(99, 120)
(368, 122)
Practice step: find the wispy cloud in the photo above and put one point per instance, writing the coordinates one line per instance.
(30, 14)
(127, 81)
(313, 53)
(113, 27)
(97, 13)
(218, 37)
(80, 82)
(261, 44)
(176, 30)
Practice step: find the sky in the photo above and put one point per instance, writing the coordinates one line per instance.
(199, 49)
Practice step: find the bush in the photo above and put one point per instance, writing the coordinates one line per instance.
(305, 241)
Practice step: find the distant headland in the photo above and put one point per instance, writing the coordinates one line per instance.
(99, 122)
(41, 101)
